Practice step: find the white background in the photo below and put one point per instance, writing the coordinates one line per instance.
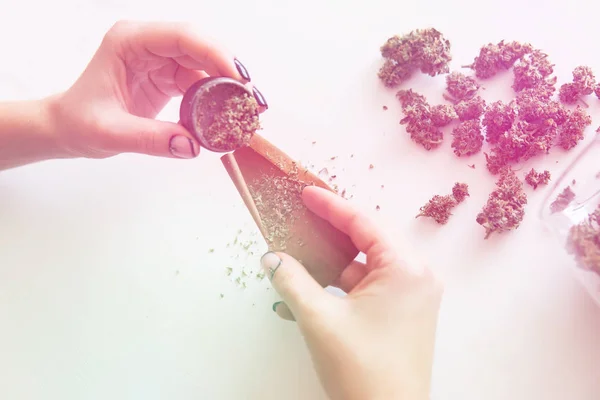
(107, 286)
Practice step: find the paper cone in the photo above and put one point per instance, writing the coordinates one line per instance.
(263, 175)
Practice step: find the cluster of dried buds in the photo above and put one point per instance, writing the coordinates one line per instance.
(528, 126)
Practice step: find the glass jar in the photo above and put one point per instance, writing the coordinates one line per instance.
(583, 178)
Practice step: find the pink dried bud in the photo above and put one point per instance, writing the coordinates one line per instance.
(426, 50)
(495, 57)
(470, 109)
(393, 74)
(460, 87)
(585, 80)
(535, 179)
(504, 209)
(511, 52)
(411, 98)
(535, 106)
(442, 115)
(521, 142)
(571, 132)
(562, 201)
(532, 70)
(425, 134)
(438, 208)
(597, 90)
(460, 191)
(583, 84)
(569, 93)
(498, 119)
(467, 138)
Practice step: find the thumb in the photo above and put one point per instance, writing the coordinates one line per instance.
(300, 292)
(156, 138)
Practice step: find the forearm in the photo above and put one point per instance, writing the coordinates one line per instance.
(28, 133)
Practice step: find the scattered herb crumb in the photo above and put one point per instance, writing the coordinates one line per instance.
(562, 200)
(371, 166)
(222, 295)
(472, 166)
(385, 108)
(211, 250)
(377, 208)
(279, 203)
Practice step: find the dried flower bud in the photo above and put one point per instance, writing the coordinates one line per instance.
(535, 106)
(438, 208)
(420, 122)
(393, 74)
(585, 80)
(423, 49)
(411, 98)
(467, 139)
(495, 162)
(521, 142)
(470, 109)
(498, 119)
(496, 57)
(583, 84)
(442, 115)
(460, 191)
(597, 90)
(583, 242)
(562, 201)
(504, 209)
(460, 87)
(534, 179)
(533, 70)
(425, 134)
(569, 93)
(571, 132)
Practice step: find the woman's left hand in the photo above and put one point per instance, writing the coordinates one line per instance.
(137, 69)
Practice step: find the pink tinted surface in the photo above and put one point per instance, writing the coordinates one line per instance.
(107, 285)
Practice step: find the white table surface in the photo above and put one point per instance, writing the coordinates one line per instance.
(107, 286)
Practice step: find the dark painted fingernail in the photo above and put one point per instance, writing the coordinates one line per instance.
(276, 304)
(241, 69)
(182, 147)
(259, 97)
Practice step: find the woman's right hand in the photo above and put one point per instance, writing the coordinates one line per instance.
(378, 341)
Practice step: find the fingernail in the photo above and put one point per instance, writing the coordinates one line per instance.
(241, 69)
(270, 262)
(183, 147)
(275, 305)
(259, 97)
